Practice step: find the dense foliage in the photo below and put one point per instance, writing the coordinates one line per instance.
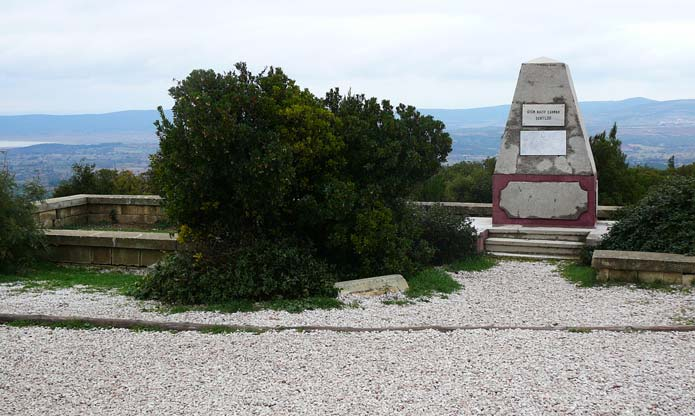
(250, 158)
(451, 237)
(86, 179)
(20, 238)
(262, 270)
(462, 182)
(663, 221)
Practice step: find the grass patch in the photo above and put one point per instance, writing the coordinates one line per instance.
(431, 281)
(288, 305)
(51, 276)
(399, 302)
(581, 275)
(472, 264)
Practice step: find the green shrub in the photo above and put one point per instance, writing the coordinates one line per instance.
(663, 221)
(262, 271)
(21, 239)
(249, 155)
(452, 237)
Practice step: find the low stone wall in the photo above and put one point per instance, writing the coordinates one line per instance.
(96, 209)
(114, 248)
(472, 209)
(636, 266)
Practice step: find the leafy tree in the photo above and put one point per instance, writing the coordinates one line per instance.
(612, 168)
(254, 160)
(21, 240)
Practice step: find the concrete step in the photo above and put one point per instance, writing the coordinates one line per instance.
(537, 233)
(531, 256)
(539, 247)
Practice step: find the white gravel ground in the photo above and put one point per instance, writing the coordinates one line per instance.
(511, 293)
(117, 372)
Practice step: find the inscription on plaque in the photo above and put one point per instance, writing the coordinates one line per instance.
(543, 115)
(543, 143)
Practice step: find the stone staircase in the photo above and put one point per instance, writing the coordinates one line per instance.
(536, 242)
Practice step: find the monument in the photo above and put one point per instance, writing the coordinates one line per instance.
(545, 173)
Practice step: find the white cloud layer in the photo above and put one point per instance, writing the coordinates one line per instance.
(97, 56)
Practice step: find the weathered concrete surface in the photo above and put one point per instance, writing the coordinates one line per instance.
(564, 200)
(648, 267)
(545, 81)
(108, 247)
(373, 285)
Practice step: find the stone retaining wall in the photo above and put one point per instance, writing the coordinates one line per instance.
(647, 267)
(95, 209)
(116, 248)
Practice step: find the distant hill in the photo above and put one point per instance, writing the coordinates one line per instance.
(651, 130)
(597, 114)
(123, 126)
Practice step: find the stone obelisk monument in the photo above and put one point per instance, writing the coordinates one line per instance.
(545, 173)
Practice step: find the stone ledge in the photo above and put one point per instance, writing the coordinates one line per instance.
(112, 239)
(645, 267)
(373, 285)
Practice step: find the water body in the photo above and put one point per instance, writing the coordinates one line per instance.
(9, 144)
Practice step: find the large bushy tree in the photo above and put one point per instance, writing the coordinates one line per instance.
(254, 160)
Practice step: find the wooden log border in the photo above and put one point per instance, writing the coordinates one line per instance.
(39, 320)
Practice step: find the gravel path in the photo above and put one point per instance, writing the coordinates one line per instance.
(511, 293)
(117, 372)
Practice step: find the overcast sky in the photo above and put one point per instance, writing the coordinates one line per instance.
(63, 57)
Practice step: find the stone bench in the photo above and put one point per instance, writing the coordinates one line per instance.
(115, 248)
(647, 267)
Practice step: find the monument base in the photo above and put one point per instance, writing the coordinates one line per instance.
(544, 200)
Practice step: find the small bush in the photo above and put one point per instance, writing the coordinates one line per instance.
(265, 270)
(452, 237)
(663, 221)
(21, 240)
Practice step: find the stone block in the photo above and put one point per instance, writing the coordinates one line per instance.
(104, 209)
(47, 218)
(71, 254)
(660, 277)
(101, 255)
(373, 285)
(125, 257)
(131, 219)
(688, 280)
(150, 257)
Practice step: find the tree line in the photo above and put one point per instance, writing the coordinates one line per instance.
(619, 183)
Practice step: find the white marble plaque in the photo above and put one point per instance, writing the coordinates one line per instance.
(543, 142)
(543, 115)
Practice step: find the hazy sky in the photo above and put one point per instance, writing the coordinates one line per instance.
(98, 56)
